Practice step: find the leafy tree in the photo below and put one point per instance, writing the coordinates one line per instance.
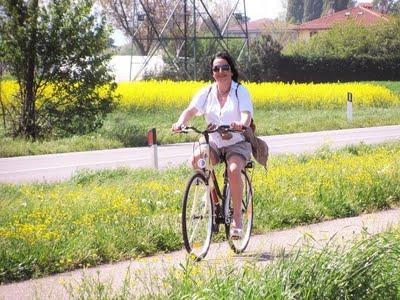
(312, 9)
(300, 11)
(386, 39)
(343, 4)
(336, 5)
(387, 6)
(351, 39)
(56, 52)
(265, 53)
(205, 50)
(295, 11)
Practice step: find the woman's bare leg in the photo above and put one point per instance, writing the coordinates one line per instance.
(236, 164)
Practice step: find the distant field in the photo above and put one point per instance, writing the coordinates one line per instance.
(279, 109)
(169, 94)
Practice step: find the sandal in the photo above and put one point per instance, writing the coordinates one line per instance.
(236, 233)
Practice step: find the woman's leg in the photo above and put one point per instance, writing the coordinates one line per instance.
(236, 164)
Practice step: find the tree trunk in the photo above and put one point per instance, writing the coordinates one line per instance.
(28, 114)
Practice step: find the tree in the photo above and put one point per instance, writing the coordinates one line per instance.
(387, 6)
(265, 54)
(300, 11)
(295, 11)
(336, 5)
(56, 52)
(312, 9)
(144, 20)
(351, 40)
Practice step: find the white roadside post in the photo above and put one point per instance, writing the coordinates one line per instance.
(349, 107)
(152, 141)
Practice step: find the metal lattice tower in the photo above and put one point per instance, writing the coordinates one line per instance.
(192, 21)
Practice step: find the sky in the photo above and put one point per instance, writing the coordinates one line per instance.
(255, 9)
(258, 9)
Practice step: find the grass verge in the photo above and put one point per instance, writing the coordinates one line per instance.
(128, 128)
(368, 268)
(106, 216)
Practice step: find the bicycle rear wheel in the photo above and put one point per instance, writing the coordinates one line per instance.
(238, 245)
(197, 217)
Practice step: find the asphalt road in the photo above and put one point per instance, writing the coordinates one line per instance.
(56, 167)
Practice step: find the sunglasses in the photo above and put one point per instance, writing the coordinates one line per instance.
(220, 68)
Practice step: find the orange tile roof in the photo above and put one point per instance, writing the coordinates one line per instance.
(362, 14)
(253, 25)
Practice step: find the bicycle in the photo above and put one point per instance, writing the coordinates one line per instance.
(204, 210)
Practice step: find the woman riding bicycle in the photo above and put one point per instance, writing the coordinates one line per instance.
(226, 102)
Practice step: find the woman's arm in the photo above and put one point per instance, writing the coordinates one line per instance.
(245, 119)
(184, 118)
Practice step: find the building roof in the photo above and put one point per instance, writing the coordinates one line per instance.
(255, 25)
(362, 14)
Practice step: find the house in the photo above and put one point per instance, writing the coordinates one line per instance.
(254, 28)
(362, 14)
(279, 30)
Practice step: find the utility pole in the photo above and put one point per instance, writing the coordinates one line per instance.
(191, 23)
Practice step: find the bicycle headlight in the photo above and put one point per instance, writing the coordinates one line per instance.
(201, 163)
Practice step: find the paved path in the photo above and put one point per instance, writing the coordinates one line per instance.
(262, 248)
(55, 167)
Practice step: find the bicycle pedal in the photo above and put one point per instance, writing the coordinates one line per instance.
(219, 219)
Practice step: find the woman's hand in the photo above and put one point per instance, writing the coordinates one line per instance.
(237, 126)
(184, 118)
(176, 127)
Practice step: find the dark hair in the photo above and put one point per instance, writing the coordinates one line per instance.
(231, 62)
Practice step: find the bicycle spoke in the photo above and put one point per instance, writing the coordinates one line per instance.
(196, 217)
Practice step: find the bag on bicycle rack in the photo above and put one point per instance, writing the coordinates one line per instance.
(259, 147)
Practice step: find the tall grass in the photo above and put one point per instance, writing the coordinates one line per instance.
(106, 216)
(368, 268)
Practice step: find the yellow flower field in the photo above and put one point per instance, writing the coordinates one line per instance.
(170, 94)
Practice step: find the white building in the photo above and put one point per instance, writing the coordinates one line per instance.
(126, 67)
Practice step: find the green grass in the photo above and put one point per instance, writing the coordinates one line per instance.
(368, 268)
(21, 147)
(391, 85)
(112, 215)
(129, 128)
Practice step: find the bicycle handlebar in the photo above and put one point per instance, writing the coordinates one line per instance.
(211, 129)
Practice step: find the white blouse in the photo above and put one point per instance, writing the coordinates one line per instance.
(207, 104)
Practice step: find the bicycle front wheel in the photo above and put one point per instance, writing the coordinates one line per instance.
(238, 245)
(197, 217)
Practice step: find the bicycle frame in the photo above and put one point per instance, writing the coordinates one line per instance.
(220, 210)
(207, 167)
